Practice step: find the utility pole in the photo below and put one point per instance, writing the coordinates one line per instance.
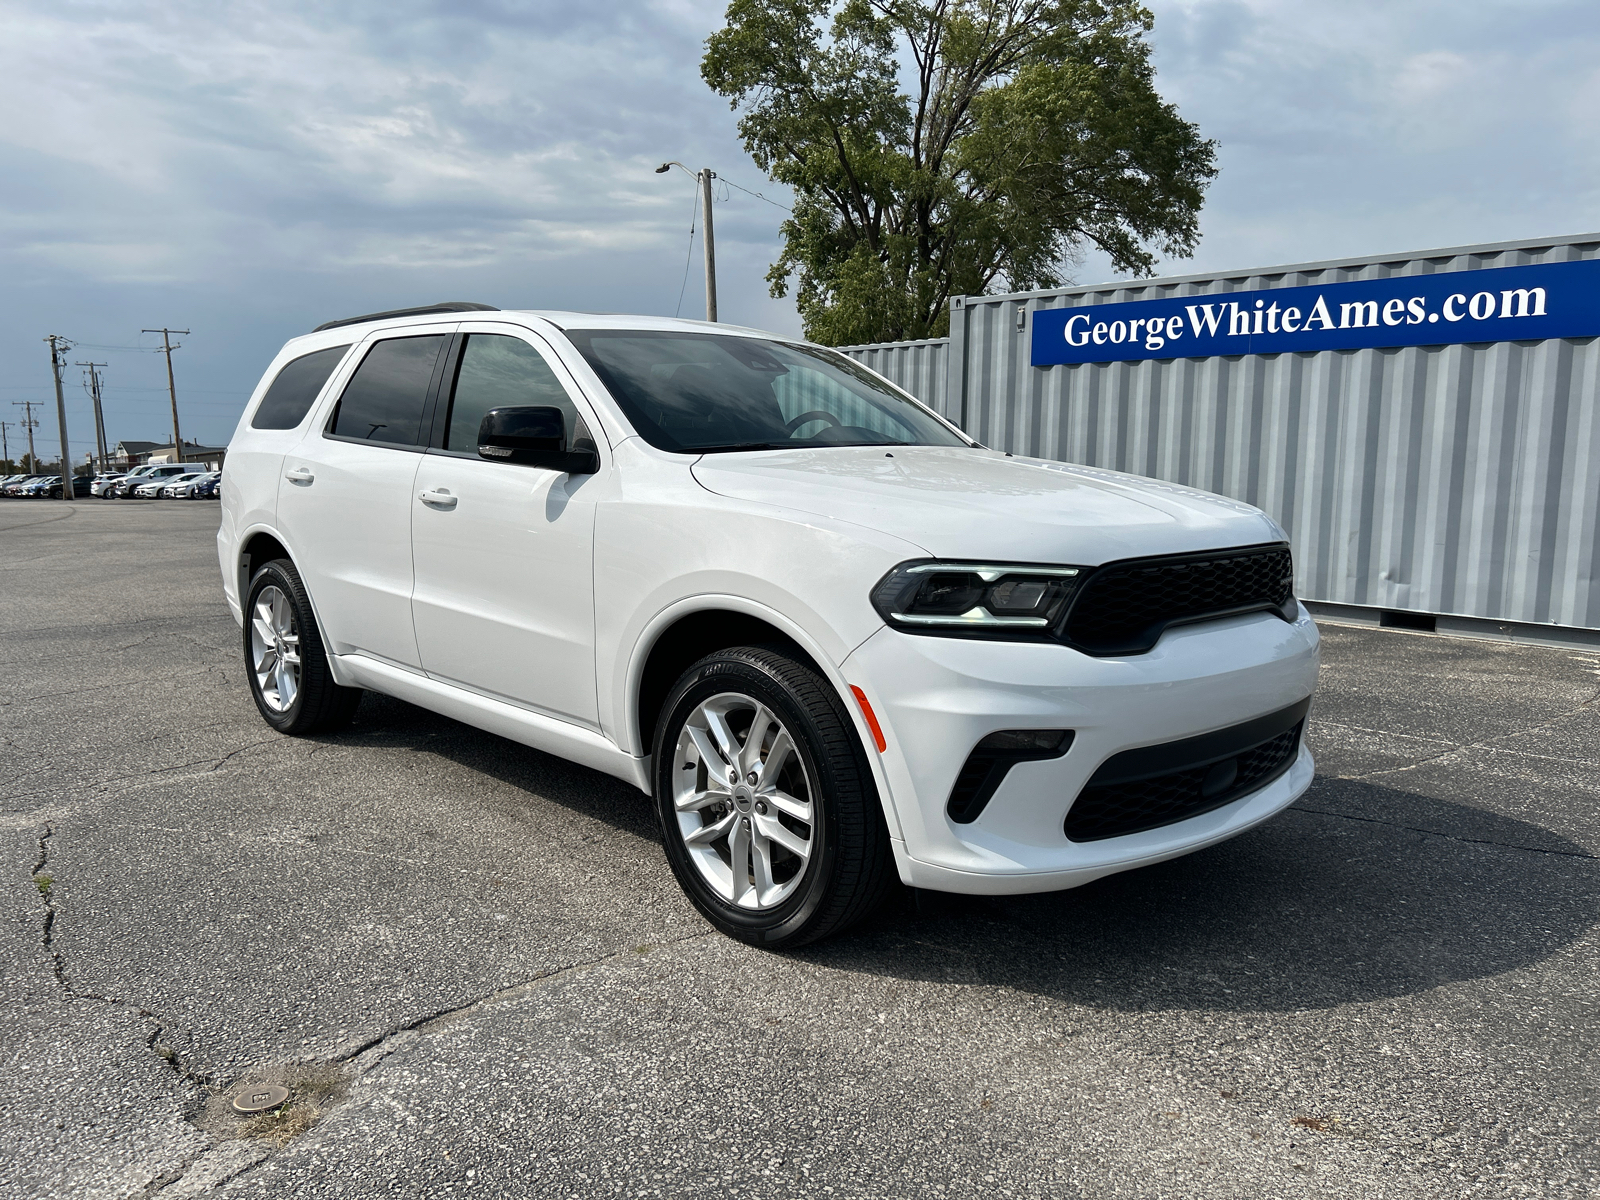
(5, 446)
(703, 178)
(58, 359)
(99, 417)
(172, 388)
(29, 424)
(706, 176)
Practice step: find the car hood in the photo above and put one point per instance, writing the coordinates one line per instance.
(969, 503)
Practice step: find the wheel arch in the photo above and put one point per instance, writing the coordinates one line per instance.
(691, 629)
(261, 545)
(257, 547)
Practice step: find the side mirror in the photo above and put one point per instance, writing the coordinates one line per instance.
(534, 436)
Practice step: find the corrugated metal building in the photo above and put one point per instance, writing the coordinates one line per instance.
(1457, 481)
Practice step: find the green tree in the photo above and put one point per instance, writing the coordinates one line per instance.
(943, 147)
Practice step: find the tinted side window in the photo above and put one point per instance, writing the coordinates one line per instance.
(385, 397)
(295, 389)
(498, 372)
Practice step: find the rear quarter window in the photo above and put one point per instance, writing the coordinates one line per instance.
(295, 389)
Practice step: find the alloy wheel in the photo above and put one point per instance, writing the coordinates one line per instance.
(744, 800)
(275, 648)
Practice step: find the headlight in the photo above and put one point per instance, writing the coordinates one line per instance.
(985, 598)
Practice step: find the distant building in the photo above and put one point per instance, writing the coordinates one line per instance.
(137, 454)
(131, 454)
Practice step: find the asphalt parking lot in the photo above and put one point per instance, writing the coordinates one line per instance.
(472, 964)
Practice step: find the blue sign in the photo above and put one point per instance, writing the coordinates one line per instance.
(1500, 304)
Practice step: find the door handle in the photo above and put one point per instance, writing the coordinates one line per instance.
(300, 475)
(437, 498)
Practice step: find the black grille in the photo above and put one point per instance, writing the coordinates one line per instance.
(1159, 785)
(1123, 607)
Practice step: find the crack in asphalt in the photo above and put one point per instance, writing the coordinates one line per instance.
(46, 884)
(1458, 747)
(1323, 812)
(421, 1024)
(221, 762)
(158, 774)
(369, 1054)
(167, 629)
(364, 1057)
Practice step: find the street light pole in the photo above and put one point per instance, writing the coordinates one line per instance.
(702, 179)
(58, 354)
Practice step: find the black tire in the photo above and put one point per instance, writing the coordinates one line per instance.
(850, 867)
(319, 705)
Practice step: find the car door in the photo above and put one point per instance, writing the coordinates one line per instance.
(503, 601)
(345, 501)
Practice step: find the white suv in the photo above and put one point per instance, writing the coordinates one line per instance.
(833, 637)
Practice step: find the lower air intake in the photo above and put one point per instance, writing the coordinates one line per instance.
(1161, 785)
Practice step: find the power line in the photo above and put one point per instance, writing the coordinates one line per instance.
(688, 260)
(24, 387)
(757, 195)
(139, 349)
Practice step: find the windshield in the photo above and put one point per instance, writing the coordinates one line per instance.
(705, 392)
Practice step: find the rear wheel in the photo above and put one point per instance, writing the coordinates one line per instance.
(767, 806)
(285, 660)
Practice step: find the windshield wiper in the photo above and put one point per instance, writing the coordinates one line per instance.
(741, 446)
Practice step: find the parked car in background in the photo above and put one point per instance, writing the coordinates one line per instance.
(150, 473)
(52, 489)
(180, 487)
(103, 482)
(156, 485)
(26, 487)
(9, 480)
(123, 487)
(208, 488)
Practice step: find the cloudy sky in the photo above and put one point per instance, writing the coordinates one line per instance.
(247, 170)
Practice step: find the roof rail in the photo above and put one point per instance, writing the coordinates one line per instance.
(444, 306)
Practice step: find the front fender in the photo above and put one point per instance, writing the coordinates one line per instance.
(631, 669)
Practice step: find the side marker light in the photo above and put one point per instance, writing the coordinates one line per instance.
(872, 718)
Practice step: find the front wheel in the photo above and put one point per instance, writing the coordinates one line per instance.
(285, 660)
(766, 804)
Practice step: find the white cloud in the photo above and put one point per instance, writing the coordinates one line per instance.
(250, 169)
(1365, 126)
(253, 169)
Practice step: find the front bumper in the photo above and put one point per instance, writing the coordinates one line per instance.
(937, 697)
